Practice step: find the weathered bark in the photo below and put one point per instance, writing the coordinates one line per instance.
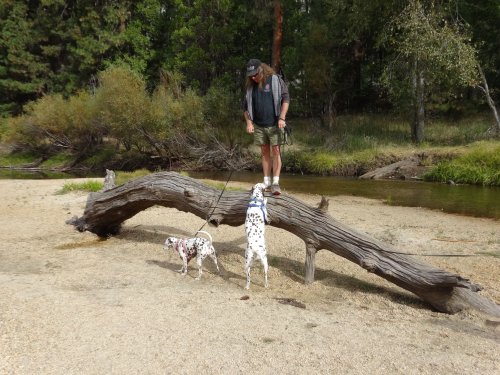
(447, 292)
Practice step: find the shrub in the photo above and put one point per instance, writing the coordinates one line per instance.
(54, 123)
(123, 104)
(224, 114)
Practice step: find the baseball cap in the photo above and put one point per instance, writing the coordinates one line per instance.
(253, 67)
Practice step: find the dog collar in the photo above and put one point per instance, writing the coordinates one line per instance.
(259, 203)
(256, 202)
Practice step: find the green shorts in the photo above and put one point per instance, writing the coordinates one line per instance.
(271, 135)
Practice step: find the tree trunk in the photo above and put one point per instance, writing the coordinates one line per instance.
(417, 133)
(490, 101)
(447, 292)
(278, 36)
(331, 113)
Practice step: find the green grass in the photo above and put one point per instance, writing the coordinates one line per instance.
(122, 177)
(357, 144)
(59, 160)
(86, 186)
(459, 132)
(95, 186)
(361, 132)
(478, 164)
(20, 159)
(17, 159)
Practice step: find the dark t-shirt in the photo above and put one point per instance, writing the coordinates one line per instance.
(263, 105)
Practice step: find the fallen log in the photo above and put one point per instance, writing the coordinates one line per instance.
(408, 169)
(447, 292)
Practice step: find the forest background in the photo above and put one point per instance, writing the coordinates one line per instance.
(159, 84)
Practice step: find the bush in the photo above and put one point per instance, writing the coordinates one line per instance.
(224, 114)
(54, 123)
(123, 105)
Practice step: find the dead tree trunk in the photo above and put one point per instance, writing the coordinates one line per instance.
(490, 101)
(447, 292)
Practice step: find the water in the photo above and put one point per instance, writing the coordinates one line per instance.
(458, 199)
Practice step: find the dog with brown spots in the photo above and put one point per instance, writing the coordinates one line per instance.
(188, 248)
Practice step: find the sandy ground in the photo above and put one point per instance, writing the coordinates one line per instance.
(72, 304)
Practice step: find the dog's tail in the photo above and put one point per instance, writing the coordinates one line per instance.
(208, 234)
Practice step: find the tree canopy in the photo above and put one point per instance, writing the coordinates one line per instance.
(338, 56)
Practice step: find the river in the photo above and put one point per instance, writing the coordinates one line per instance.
(457, 199)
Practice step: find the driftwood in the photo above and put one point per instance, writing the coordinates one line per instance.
(408, 169)
(447, 292)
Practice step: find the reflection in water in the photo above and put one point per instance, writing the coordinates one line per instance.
(460, 199)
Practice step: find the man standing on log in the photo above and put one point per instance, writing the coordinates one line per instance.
(266, 104)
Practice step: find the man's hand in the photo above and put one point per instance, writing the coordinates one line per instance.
(250, 128)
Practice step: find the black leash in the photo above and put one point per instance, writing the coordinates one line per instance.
(286, 138)
(216, 203)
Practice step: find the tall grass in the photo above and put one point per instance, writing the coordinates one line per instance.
(357, 144)
(362, 132)
(457, 132)
(478, 165)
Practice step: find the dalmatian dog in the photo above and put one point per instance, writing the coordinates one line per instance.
(188, 248)
(255, 221)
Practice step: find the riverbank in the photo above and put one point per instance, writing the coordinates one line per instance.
(74, 304)
(475, 163)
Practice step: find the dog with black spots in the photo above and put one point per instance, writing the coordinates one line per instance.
(256, 219)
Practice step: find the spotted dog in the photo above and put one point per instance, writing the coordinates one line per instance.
(188, 248)
(255, 227)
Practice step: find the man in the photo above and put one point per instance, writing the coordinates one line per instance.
(266, 104)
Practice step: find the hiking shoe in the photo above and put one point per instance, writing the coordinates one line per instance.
(275, 189)
(267, 189)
